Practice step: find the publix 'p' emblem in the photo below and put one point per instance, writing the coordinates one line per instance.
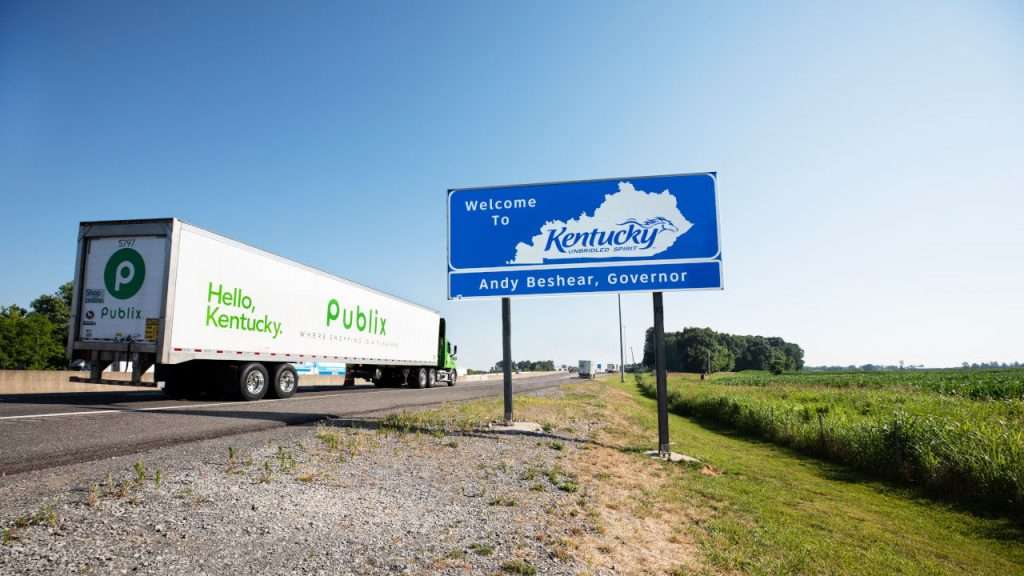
(124, 273)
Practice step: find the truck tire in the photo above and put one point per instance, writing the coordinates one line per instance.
(253, 381)
(284, 381)
(417, 377)
(431, 377)
(388, 379)
(452, 377)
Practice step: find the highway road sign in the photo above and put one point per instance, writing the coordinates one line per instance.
(646, 234)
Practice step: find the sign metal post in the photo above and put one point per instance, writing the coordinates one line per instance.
(506, 354)
(661, 375)
(622, 351)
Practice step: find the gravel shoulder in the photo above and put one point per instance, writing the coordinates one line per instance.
(322, 499)
(432, 491)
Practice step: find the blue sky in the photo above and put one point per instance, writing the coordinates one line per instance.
(870, 156)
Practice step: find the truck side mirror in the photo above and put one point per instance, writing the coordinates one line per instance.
(456, 349)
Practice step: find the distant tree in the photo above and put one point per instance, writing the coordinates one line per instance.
(700, 349)
(527, 366)
(27, 342)
(648, 359)
(758, 354)
(794, 356)
(55, 307)
(777, 362)
(691, 350)
(12, 311)
(36, 340)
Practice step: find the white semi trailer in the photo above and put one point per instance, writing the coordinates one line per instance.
(586, 369)
(218, 316)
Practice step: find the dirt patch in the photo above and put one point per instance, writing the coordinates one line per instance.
(641, 530)
(636, 532)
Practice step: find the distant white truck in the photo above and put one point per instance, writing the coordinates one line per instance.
(586, 369)
(216, 315)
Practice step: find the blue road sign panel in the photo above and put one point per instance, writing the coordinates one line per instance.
(652, 233)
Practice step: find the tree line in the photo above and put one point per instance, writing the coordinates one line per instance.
(526, 366)
(703, 349)
(35, 339)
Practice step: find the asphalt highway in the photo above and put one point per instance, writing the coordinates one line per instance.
(39, 431)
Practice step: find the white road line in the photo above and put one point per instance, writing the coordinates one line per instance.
(192, 406)
(156, 408)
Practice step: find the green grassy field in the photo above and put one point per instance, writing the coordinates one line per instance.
(956, 435)
(1006, 384)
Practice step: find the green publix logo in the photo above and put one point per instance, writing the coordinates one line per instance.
(364, 321)
(236, 304)
(123, 276)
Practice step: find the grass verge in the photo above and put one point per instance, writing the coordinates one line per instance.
(756, 508)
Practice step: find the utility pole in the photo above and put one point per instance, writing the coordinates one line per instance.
(622, 350)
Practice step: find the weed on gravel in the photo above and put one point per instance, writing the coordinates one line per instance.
(518, 566)
(285, 459)
(481, 549)
(267, 474)
(559, 478)
(502, 501)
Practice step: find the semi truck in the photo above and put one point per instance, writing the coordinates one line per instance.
(586, 369)
(212, 315)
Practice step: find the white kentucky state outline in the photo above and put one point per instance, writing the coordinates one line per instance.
(629, 223)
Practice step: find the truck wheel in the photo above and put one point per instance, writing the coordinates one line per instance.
(431, 377)
(285, 381)
(253, 381)
(452, 376)
(418, 377)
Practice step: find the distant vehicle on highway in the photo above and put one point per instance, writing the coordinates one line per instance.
(586, 369)
(216, 315)
(610, 368)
